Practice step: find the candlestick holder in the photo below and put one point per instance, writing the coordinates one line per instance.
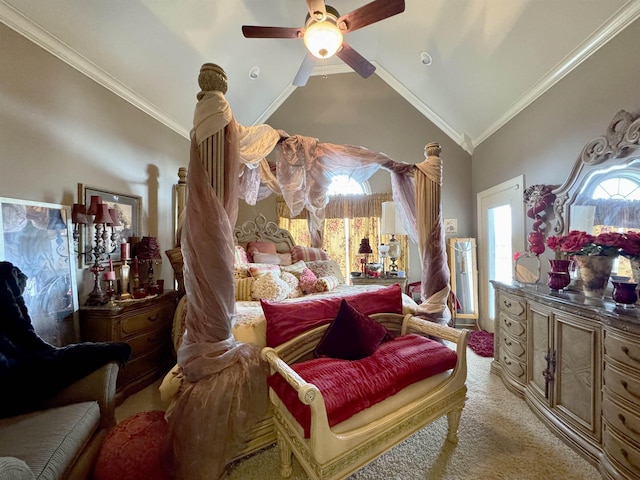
(124, 280)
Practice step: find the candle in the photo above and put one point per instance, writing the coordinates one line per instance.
(110, 275)
(135, 265)
(125, 249)
(110, 265)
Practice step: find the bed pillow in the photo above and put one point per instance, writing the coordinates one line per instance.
(295, 268)
(243, 289)
(288, 320)
(270, 258)
(259, 269)
(308, 254)
(351, 335)
(285, 258)
(241, 270)
(240, 255)
(326, 268)
(308, 281)
(291, 280)
(325, 284)
(270, 287)
(261, 246)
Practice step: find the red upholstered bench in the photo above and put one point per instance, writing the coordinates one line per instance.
(349, 387)
(336, 416)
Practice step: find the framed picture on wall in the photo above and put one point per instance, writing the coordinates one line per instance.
(128, 210)
(37, 238)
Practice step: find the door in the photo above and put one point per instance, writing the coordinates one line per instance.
(500, 233)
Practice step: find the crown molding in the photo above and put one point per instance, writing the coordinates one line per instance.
(618, 22)
(28, 29)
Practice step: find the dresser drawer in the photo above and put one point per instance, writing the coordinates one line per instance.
(621, 384)
(154, 363)
(515, 328)
(625, 351)
(147, 319)
(512, 305)
(513, 366)
(150, 340)
(622, 452)
(513, 347)
(622, 419)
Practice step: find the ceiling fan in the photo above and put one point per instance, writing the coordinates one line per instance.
(323, 34)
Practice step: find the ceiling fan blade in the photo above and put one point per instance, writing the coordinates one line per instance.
(304, 72)
(272, 32)
(316, 6)
(356, 61)
(371, 13)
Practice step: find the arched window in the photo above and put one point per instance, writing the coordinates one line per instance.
(345, 185)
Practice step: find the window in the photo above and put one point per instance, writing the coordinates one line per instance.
(351, 215)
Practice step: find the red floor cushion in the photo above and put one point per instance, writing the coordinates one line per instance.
(135, 449)
(350, 386)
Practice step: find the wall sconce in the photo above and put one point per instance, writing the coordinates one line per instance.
(392, 225)
(104, 243)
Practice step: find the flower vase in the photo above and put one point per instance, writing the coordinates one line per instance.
(559, 276)
(624, 294)
(594, 273)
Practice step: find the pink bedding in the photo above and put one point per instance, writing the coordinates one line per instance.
(350, 386)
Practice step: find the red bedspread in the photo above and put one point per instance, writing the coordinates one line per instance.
(351, 386)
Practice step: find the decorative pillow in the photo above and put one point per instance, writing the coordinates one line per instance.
(270, 258)
(288, 320)
(240, 255)
(270, 287)
(295, 268)
(241, 270)
(285, 258)
(308, 254)
(325, 284)
(308, 281)
(262, 247)
(291, 280)
(260, 269)
(351, 336)
(326, 268)
(243, 289)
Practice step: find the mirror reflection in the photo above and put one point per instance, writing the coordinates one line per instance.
(526, 268)
(464, 279)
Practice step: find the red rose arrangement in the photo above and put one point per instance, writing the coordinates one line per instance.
(577, 242)
(631, 245)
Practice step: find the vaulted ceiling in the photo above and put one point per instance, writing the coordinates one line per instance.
(490, 58)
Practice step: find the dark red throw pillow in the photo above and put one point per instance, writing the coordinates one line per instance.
(351, 335)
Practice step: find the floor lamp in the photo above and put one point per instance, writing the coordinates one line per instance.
(392, 225)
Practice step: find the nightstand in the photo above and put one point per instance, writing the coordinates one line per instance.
(402, 281)
(145, 325)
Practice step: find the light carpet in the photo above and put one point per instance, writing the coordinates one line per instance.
(499, 438)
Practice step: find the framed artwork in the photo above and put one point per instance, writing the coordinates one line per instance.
(128, 209)
(37, 238)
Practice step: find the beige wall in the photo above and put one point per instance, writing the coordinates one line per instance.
(58, 128)
(544, 140)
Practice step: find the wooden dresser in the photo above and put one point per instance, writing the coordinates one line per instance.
(146, 326)
(576, 362)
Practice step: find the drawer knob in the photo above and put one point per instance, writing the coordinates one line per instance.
(507, 342)
(507, 304)
(625, 385)
(153, 318)
(623, 420)
(625, 350)
(507, 322)
(506, 361)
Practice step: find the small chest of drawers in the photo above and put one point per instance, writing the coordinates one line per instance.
(146, 326)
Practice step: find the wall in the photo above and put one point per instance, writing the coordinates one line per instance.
(347, 109)
(58, 128)
(544, 140)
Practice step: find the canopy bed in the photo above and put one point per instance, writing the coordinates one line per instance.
(229, 376)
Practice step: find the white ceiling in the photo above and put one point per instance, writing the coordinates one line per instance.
(491, 58)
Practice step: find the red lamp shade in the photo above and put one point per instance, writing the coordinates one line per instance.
(79, 214)
(93, 207)
(114, 218)
(365, 247)
(103, 215)
(148, 249)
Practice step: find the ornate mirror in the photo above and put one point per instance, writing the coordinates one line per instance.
(464, 280)
(602, 192)
(526, 268)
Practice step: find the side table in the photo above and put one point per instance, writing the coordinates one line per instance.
(402, 281)
(145, 325)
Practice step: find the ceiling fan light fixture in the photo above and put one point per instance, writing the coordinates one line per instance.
(323, 39)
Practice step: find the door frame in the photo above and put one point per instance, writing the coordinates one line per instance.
(486, 199)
